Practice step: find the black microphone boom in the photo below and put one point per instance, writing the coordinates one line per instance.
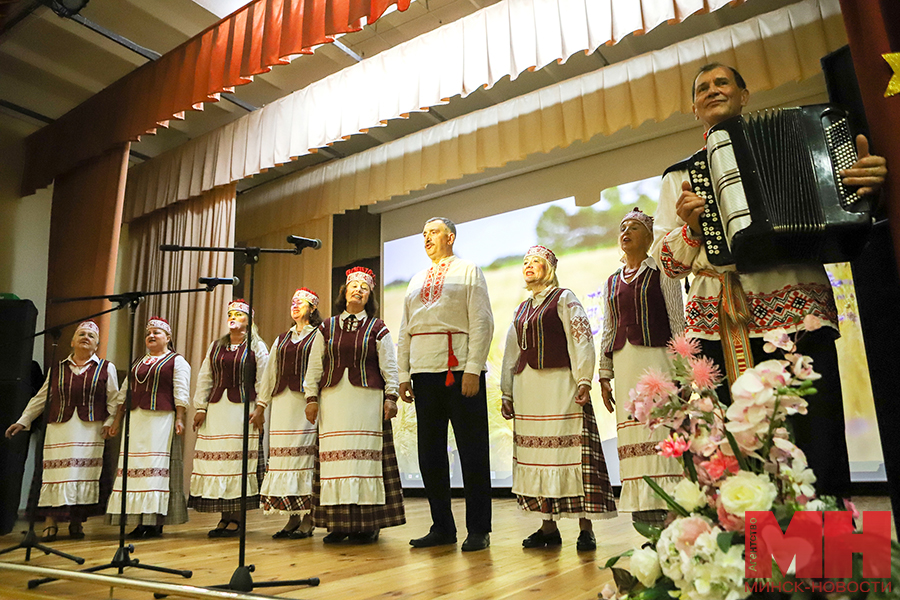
(302, 242)
(214, 281)
(169, 247)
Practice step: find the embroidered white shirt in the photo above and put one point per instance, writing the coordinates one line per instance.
(450, 296)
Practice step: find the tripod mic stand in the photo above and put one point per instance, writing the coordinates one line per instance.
(122, 557)
(241, 580)
(31, 540)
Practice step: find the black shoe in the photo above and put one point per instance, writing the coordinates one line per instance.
(152, 531)
(539, 539)
(434, 538)
(229, 532)
(219, 530)
(476, 541)
(364, 537)
(299, 534)
(76, 531)
(137, 532)
(586, 541)
(334, 537)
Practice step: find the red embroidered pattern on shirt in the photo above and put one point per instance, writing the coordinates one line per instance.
(672, 267)
(554, 441)
(146, 472)
(782, 308)
(64, 463)
(686, 236)
(434, 284)
(332, 455)
(230, 455)
(635, 450)
(581, 328)
(293, 451)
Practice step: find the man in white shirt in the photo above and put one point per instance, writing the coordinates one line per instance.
(442, 347)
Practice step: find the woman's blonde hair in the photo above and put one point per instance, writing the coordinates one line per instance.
(549, 279)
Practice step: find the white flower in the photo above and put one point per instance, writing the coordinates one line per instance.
(815, 505)
(689, 495)
(645, 566)
(747, 491)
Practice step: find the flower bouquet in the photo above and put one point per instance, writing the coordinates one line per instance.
(737, 458)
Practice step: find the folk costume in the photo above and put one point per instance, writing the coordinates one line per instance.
(643, 312)
(74, 485)
(155, 495)
(352, 371)
(287, 487)
(446, 331)
(558, 465)
(724, 304)
(220, 393)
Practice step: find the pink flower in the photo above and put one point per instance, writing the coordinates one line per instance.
(778, 338)
(673, 446)
(728, 521)
(683, 346)
(801, 367)
(638, 406)
(705, 373)
(851, 508)
(811, 322)
(655, 385)
(689, 529)
(705, 404)
(608, 592)
(719, 463)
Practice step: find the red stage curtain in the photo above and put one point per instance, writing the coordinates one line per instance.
(246, 43)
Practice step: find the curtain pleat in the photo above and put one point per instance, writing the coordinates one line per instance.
(502, 40)
(249, 42)
(648, 87)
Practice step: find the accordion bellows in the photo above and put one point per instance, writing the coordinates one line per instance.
(773, 191)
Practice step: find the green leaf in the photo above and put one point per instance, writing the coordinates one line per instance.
(688, 458)
(651, 532)
(742, 460)
(724, 540)
(625, 581)
(614, 559)
(665, 496)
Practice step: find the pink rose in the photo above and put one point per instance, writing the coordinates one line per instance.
(728, 521)
(673, 446)
(811, 322)
(689, 529)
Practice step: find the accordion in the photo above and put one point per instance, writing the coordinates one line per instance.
(773, 191)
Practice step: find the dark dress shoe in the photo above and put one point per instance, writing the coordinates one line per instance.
(364, 537)
(283, 534)
(219, 530)
(50, 533)
(152, 531)
(539, 539)
(299, 534)
(476, 541)
(137, 532)
(75, 531)
(434, 538)
(233, 529)
(586, 541)
(334, 537)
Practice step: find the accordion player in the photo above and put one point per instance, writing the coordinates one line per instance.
(773, 192)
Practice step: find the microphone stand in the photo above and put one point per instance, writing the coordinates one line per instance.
(241, 580)
(31, 540)
(122, 557)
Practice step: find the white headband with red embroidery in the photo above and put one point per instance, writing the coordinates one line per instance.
(90, 326)
(361, 274)
(307, 295)
(159, 323)
(240, 305)
(641, 217)
(543, 252)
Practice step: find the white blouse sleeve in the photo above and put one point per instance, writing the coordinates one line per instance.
(579, 337)
(674, 245)
(608, 334)
(508, 367)
(182, 382)
(387, 363)
(35, 406)
(671, 289)
(112, 392)
(204, 382)
(267, 382)
(262, 359)
(481, 322)
(314, 366)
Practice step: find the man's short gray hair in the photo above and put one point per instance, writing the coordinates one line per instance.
(447, 223)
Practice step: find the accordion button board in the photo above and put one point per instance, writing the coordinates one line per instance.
(773, 192)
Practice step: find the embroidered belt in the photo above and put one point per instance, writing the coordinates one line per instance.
(452, 361)
(734, 317)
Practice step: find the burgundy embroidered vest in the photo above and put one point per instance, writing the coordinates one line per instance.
(292, 361)
(638, 311)
(85, 393)
(153, 386)
(353, 351)
(228, 370)
(541, 336)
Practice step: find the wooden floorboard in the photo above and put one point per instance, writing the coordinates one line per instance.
(388, 569)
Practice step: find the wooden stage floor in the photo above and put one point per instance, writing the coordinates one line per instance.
(390, 568)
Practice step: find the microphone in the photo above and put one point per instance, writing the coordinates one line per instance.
(169, 247)
(302, 242)
(214, 281)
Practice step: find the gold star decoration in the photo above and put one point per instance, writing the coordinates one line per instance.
(893, 87)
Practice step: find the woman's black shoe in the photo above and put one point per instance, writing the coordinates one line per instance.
(586, 541)
(539, 539)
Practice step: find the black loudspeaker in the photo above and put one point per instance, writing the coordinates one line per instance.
(17, 321)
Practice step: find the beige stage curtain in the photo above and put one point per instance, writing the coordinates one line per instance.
(196, 318)
(248, 42)
(279, 275)
(502, 40)
(770, 50)
(85, 222)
